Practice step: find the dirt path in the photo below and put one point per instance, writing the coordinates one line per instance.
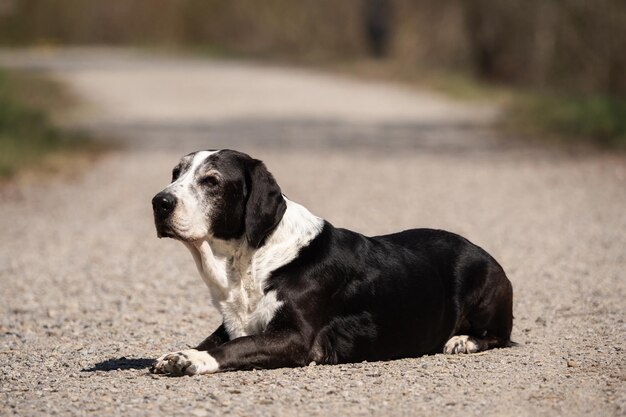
(89, 295)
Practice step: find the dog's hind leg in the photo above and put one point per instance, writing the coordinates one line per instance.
(489, 318)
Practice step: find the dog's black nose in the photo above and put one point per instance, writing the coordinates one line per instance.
(163, 204)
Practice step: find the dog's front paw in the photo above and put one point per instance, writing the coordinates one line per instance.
(461, 344)
(185, 362)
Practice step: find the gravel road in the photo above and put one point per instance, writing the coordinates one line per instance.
(90, 296)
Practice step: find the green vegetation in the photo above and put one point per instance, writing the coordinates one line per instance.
(596, 119)
(599, 119)
(27, 137)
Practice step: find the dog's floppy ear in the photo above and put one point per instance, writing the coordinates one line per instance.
(265, 206)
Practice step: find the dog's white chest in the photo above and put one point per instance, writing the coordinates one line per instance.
(238, 275)
(247, 311)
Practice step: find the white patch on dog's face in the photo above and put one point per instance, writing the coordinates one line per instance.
(190, 219)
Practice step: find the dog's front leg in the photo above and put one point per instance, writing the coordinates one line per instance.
(268, 350)
(217, 338)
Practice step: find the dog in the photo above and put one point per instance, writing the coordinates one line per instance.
(293, 289)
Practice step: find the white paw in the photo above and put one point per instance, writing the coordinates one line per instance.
(185, 362)
(461, 344)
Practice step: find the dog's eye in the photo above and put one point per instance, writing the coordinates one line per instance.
(210, 181)
(175, 173)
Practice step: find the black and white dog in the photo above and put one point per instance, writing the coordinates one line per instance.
(293, 289)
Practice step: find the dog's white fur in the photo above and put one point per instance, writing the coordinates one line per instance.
(236, 274)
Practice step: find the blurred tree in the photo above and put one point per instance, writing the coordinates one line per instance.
(572, 45)
(378, 26)
(498, 32)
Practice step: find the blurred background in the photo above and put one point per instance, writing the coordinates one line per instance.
(575, 46)
(557, 67)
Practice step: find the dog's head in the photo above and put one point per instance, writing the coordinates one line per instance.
(219, 195)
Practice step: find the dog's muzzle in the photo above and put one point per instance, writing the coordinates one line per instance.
(163, 204)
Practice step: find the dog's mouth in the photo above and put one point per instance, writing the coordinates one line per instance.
(164, 230)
